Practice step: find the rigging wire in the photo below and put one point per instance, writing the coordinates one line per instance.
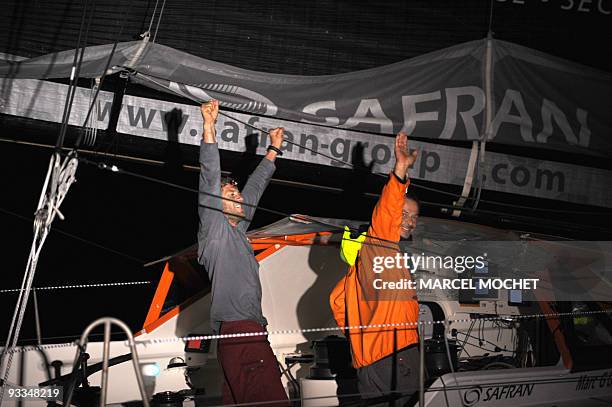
(89, 285)
(289, 142)
(97, 153)
(60, 176)
(497, 349)
(462, 347)
(112, 144)
(153, 16)
(351, 166)
(95, 96)
(322, 154)
(91, 125)
(380, 327)
(100, 81)
(297, 144)
(79, 53)
(161, 13)
(73, 337)
(98, 245)
(114, 168)
(457, 386)
(150, 79)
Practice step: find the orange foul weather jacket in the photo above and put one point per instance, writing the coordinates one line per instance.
(355, 301)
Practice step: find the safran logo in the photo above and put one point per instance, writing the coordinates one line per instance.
(235, 97)
(471, 396)
(505, 392)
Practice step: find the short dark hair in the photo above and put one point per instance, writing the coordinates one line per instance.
(226, 180)
(413, 197)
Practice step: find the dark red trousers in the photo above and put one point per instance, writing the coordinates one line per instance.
(250, 368)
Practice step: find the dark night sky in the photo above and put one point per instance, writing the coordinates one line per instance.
(146, 221)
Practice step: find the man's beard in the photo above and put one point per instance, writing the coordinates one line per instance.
(234, 214)
(235, 218)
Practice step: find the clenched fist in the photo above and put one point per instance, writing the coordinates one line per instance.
(276, 137)
(210, 111)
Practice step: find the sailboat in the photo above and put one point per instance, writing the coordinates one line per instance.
(491, 347)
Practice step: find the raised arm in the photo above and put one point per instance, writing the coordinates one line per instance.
(387, 215)
(209, 207)
(210, 111)
(259, 179)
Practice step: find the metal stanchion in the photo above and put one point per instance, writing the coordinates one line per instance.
(83, 345)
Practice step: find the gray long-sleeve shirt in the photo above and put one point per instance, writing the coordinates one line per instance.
(223, 249)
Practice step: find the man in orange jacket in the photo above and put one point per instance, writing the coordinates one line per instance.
(386, 357)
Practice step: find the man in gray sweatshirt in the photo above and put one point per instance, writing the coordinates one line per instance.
(250, 368)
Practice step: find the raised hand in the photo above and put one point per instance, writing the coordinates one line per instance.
(210, 111)
(404, 158)
(276, 140)
(276, 137)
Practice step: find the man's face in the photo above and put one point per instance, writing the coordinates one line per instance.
(233, 210)
(410, 215)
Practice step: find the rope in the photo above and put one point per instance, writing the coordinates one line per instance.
(32, 348)
(161, 13)
(156, 341)
(296, 144)
(60, 177)
(150, 79)
(153, 16)
(65, 287)
(100, 80)
(360, 327)
(74, 75)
